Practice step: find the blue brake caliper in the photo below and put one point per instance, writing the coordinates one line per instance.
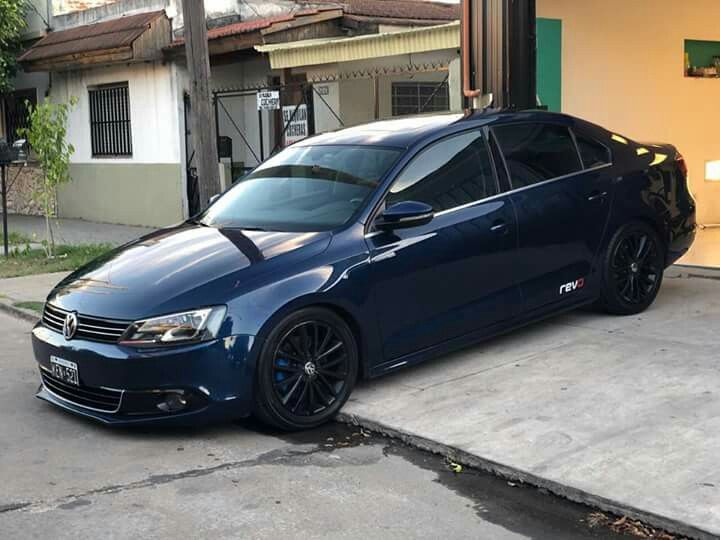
(281, 375)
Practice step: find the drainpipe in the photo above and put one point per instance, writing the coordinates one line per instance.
(49, 11)
(376, 97)
(468, 92)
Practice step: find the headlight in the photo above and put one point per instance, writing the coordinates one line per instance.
(175, 329)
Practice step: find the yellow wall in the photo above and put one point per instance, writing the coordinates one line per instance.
(623, 64)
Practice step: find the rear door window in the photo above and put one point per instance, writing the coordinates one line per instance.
(453, 172)
(593, 153)
(535, 153)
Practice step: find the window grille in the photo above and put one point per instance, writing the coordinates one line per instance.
(110, 130)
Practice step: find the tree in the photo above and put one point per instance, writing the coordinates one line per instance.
(46, 137)
(12, 24)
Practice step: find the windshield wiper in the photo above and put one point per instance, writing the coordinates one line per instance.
(238, 227)
(197, 222)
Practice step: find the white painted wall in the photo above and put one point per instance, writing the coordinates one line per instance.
(40, 81)
(353, 99)
(180, 84)
(324, 119)
(243, 109)
(103, 10)
(37, 18)
(154, 112)
(67, 6)
(357, 101)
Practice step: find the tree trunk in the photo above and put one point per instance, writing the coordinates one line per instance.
(201, 118)
(49, 241)
(49, 251)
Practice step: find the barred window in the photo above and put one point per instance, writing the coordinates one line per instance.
(419, 97)
(110, 131)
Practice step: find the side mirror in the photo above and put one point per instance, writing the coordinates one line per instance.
(213, 199)
(405, 215)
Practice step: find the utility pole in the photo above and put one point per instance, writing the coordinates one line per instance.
(3, 189)
(202, 119)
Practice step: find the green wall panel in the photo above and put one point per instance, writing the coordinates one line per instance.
(549, 63)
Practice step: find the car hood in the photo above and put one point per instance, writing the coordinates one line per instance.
(180, 268)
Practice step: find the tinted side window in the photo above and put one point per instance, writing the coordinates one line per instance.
(592, 152)
(500, 169)
(537, 152)
(451, 173)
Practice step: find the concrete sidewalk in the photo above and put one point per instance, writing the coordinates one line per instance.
(619, 413)
(25, 289)
(75, 231)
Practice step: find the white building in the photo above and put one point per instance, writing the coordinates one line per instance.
(124, 61)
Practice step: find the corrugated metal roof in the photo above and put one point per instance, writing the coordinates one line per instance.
(328, 51)
(121, 32)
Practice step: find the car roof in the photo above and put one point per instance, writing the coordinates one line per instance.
(405, 132)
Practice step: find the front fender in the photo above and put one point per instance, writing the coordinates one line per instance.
(339, 280)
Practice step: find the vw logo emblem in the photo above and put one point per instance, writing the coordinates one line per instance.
(70, 325)
(310, 369)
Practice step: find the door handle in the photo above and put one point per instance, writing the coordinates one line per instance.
(597, 196)
(499, 227)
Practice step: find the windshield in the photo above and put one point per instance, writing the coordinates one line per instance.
(303, 189)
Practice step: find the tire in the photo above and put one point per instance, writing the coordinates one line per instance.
(633, 268)
(306, 371)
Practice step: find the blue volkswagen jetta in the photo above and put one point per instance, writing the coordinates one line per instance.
(356, 253)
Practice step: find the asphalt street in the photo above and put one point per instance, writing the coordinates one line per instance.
(65, 477)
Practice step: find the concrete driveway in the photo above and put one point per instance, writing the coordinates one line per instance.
(623, 413)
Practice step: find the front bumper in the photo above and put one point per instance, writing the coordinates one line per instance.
(216, 378)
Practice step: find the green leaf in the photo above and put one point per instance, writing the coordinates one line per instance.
(46, 135)
(12, 25)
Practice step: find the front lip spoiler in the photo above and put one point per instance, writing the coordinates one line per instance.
(46, 395)
(73, 404)
(114, 420)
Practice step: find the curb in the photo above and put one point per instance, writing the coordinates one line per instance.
(697, 272)
(523, 477)
(19, 313)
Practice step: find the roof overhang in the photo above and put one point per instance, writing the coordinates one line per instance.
(329, 51)
(133, 38)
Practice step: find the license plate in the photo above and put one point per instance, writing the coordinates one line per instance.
(65, 370)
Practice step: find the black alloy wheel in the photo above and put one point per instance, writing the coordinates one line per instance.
(634, 267)
(307, 370)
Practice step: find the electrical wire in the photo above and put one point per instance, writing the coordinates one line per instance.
(251, 8)
(35, 9)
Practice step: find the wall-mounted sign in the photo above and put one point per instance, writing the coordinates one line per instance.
(323, 90)
(297, 130)
(268, 100)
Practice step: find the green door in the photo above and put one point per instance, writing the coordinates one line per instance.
(549, 63)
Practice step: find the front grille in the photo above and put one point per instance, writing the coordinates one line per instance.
(90, 328)
(97, 399)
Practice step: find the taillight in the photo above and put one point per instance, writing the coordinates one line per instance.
(684, 182)
(682, 166)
